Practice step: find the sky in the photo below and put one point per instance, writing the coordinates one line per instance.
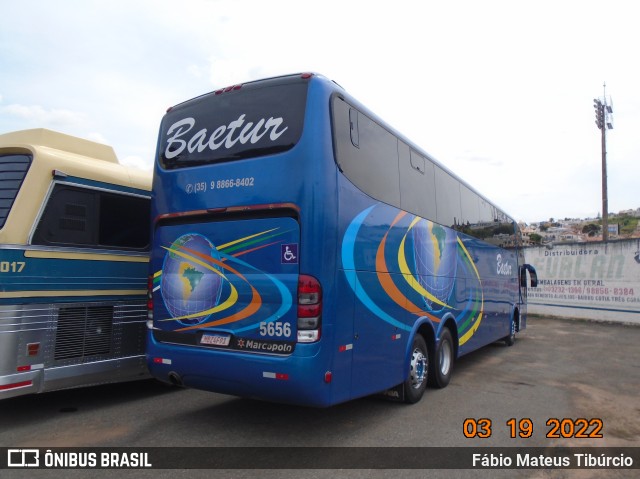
(499, 91)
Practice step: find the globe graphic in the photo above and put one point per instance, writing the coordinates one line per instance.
(436, 260)
(188, 287)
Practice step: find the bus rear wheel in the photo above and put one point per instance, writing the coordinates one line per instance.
(510, 340)
(416, 383)
(442, 364)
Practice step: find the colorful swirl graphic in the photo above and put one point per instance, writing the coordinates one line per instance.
(424, 268)
(204, 286)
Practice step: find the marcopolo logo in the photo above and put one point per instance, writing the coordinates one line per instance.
(273, 347)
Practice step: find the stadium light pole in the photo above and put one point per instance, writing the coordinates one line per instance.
(604, 122)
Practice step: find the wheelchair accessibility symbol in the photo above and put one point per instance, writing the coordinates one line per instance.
(289, 253)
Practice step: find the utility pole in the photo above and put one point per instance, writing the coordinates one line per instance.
(604, 122)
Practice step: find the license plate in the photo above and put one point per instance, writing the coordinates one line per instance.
(215, 339)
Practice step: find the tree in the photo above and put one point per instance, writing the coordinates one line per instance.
(591, 229)
(535, 238)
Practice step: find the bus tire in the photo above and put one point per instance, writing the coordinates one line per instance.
(510, 340)
(442, 364)
(416, 383)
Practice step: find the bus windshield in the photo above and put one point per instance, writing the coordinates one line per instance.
(256, 119)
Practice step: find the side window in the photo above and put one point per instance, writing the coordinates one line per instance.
(124, 221)
(417, 183)
(448, 197)
(68, 219)
(487, 211)
(84, 217)
(366, 153)
(505, 232)
(389, 170)
(13, 169)
(353, 127)
(470, 205)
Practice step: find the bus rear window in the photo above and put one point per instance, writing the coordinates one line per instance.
(13, 169)
(255, 119)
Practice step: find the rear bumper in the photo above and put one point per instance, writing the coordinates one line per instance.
(295, 379)
(19, 384)
(79, 375)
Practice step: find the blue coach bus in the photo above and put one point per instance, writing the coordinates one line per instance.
(305, 252)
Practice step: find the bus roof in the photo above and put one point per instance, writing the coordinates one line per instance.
(76, 156)
(59, 141)
(56, 155)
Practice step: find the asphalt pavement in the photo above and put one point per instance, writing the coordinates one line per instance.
(534, 394)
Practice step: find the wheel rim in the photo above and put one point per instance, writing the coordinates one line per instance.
(445, 358)
(512, 335)
(419, 366)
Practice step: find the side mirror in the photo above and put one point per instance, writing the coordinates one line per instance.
(523, 276)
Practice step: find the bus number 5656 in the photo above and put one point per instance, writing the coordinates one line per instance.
(275, 328)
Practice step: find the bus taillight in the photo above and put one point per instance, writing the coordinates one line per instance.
(309, 309)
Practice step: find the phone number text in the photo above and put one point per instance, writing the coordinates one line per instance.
(203, 186)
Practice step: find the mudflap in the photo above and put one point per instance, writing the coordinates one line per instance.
(395, 394)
